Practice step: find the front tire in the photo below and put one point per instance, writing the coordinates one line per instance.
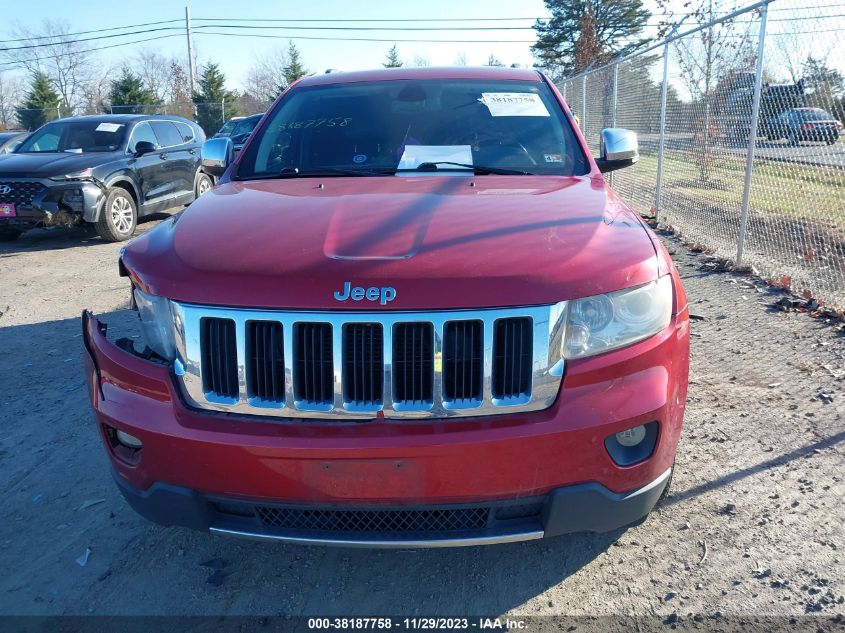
(118, 218)
(203, 184)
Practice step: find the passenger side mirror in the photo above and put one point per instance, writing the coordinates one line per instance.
(144, 147)
(619, 148)
(216, 155)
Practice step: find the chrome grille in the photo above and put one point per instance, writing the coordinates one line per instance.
(363, 365)
(355, 365)
(219, 368)
(512, 358)
(413, 364)
(22, 192)
(314, 360)
(266, 358)
(462, 362)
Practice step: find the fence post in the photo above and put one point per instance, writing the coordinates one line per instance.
(662, 136)
(752, 135)
(614, 88)
(223, 110)
(584, 104)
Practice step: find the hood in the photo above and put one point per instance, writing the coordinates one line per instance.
(439, 241)
(32, 165)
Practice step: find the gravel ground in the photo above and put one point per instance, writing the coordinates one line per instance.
(754, 524)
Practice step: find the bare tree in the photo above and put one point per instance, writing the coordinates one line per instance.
(11, 91)
(66, 62)
(460, 59)
(266, 75)
(154, 71)
(96, 92)
(419, 61)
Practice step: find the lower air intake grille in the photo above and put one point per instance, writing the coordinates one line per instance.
(413, 363)
(512, 358)
(447, 520)
(363, 364)
(462, 360)
(265, 361)
(314, 363)
(219, 357)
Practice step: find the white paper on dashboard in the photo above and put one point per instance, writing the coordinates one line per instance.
(109, 127)
(415, 155)
(514, 104)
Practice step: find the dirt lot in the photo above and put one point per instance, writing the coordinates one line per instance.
(755, 523)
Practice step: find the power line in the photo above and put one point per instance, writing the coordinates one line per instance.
(367, 28)
(343, 20)
(113, 28)
(90, 50)
(365, 39)
(90, 39)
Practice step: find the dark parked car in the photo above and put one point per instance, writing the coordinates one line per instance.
(804, 124)
(104, 170)
(10, 140)
(243, 129)
(227, 127)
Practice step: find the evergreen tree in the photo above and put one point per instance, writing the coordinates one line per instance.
(584, 33)
(294, 68)
(393, 60)
(214, 103)
(128, 95)
(40, 105)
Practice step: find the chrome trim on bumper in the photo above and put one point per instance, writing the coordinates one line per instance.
(548, 323)
(383, 544)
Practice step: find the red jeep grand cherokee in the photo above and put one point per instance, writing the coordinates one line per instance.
(411, 313)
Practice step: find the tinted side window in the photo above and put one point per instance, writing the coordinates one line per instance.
(142, 132)
(185, 131)
(168, 135)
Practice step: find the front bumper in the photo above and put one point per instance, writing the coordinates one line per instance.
(193, 461)
(586, 507)
(47, 209)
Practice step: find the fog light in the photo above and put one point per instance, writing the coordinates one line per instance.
(632, 436)
(74, 199)
(632, 445)
(129, 441)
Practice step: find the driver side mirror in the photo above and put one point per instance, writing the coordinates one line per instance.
(144, 147)
(619, 148)
(217, 154)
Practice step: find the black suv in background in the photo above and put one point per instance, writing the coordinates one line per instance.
(106, 170)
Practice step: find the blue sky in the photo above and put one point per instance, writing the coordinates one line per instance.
(236, 54)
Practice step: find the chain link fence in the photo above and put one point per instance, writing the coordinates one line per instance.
(774, 200)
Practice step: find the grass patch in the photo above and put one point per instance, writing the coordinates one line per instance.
(792, 189)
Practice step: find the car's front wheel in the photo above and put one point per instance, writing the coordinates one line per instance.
(118, 218)
(203, 184)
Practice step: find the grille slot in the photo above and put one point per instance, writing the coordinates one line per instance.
(314, 363)
(363, 364)
(463, 361)
(381, 521)
(413, 363)
(22, 193)
(512, 358)
(219, 357)
(265, 372)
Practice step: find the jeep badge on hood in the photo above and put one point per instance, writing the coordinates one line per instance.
(383, 295)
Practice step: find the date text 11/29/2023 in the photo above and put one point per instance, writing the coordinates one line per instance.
(417, 624)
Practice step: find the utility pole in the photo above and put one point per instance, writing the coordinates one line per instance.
(191, 72)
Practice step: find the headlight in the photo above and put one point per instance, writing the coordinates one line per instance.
(156, 323)
(84, 174)
(606, 322)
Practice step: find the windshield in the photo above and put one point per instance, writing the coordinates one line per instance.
(228, 125)
(385, 126)
(245, 126)
(77, 136)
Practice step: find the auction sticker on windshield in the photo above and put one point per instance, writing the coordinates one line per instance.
(7, 210)
(108, 127)
(514, 104)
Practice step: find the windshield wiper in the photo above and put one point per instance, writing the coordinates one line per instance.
(480, 170)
